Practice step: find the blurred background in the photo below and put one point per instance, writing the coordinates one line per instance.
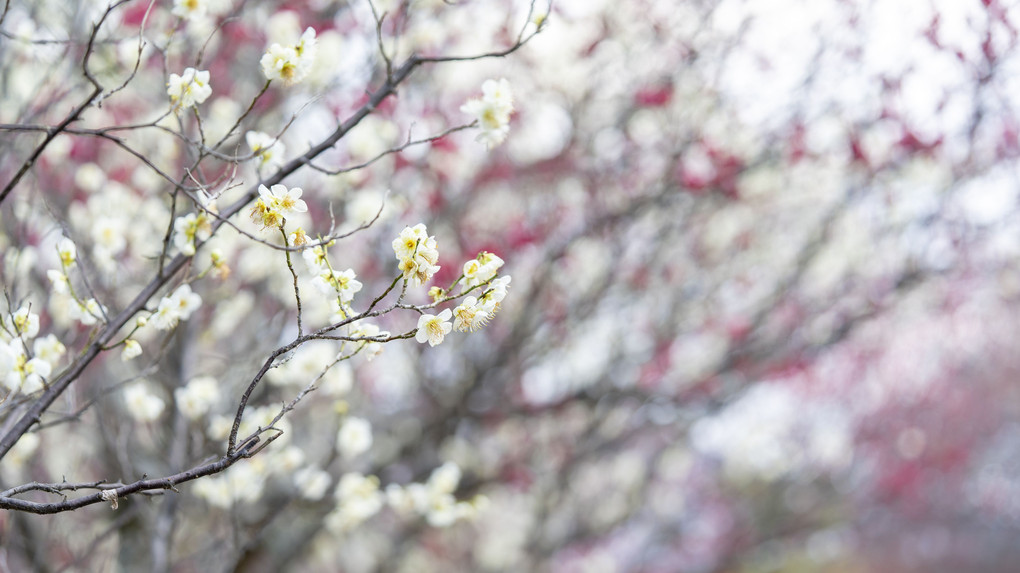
(764, 283)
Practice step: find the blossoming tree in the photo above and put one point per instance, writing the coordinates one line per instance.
(131, 272)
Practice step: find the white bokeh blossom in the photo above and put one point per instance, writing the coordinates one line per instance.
(188, 89)
(312, 483)
(88, 312)
(190, 9)
(141, 404)
(492, 111)
(197, 397)
(67, 252)
(267, 149)
(358, 498)
(354, 437)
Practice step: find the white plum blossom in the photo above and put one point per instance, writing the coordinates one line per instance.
(188, 89)
(316, 258)
(189, 9)
(25, 323)
(176, 307)
(48, 348)
(282, 63)
(480, 269)
(433, 328)
(354, 437)
(341, 282)
(307, 46)
(280, 198)
(21, 373)
(276, 202)
(290, 64)
(297, 238)
(469, 315)
(492, 111)
(494, 294)
(187, 301)
(166, 316)
(142, 405)
(67, 252)
(346, 285)
(33, 372)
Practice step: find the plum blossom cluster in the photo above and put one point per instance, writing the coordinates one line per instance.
(88, 312)
(434, 499)
(418, 257)
(188, 89)
(470, 315)
(25, 360)
(245, 481)
(242, 482)
(174, 308)
(291, 64)
(275, 203)
(370, 347)
(359, 497)
(189, 229)
(417, 254)
(344, 284)
(481, 269)
(492, 111)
